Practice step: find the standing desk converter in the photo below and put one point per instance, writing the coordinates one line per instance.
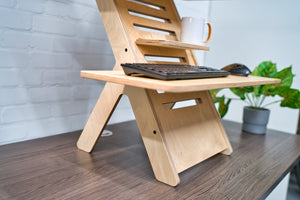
(175, 138)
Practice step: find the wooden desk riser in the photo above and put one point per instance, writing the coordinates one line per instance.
(175, 139)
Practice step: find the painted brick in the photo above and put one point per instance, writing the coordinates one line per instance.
(60, 77)
(12, 133)
(54, 126)
(87, 3)
(47, 94)
(25, 40)
(85, 81)
(30, 77)
(55, 77)
(53, 25)
(23, 113)
(36, 6)
(93, 17)
(13, 96)
(82, 46)
(78, 121)
(13, 59)
(43, 46)
(50, 60)
(56, 8)
(16, 39)
(87, 91)
(102, 47)
(8, 3)
(73, 11)
(84, 13)
(94, 61)
(85, 30)
(66, 45)
(9, 77)
(70, 108)
(15, 19)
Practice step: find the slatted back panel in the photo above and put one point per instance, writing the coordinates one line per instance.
(153, 19)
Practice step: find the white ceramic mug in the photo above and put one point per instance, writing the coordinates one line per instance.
(192, 30)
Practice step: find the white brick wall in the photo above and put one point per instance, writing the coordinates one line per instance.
(43, 46)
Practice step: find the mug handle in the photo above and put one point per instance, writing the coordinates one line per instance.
(209, 32)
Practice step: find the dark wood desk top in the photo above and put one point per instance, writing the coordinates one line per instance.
(53, 168)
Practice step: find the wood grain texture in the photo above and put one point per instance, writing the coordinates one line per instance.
(170, 44)
(190, 85)
(170, 24)
(116, 33)
(155, 144)
(192, 134)
(118, 168)
(100, 115)
(120, 20)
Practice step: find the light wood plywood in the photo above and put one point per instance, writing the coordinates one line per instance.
(178, 85)
(170, 44)
(100, 115)
(175, 139)
(192, 133)
(158, 153)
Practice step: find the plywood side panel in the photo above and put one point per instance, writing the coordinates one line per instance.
(150, 130)
(192, 134)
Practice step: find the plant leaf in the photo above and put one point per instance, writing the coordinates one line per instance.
(258, 90)
(214, 92)
(269, 90)
(291, 97)
(286, 76)
(265, 69)
(223, 106)
(240, 92)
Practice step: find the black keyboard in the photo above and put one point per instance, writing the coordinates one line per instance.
(171, 71)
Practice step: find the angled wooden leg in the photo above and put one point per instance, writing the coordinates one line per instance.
(150, 130)
(100, 115)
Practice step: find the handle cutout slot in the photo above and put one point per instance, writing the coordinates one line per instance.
(149, 4)
(143, 15)
(182, 104)
(153, 30)
(164, 59)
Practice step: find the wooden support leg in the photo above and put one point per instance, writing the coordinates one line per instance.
(150, 130)
(192, 133)
(177, 138)
(100, 115)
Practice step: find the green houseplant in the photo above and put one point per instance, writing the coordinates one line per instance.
(256, 96)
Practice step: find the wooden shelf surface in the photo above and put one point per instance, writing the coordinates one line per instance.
(170, 44)
(178, 86)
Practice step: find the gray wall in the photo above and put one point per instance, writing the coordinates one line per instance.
(253, 31)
